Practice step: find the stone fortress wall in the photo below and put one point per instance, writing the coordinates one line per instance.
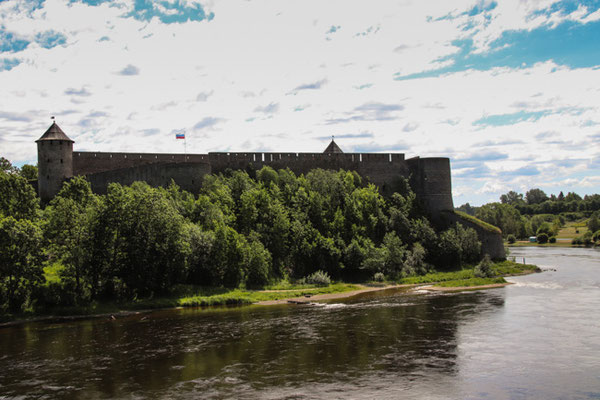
(430, 178)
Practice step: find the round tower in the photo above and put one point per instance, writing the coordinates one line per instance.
(55, 161)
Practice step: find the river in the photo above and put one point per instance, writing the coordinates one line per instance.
(536, 339)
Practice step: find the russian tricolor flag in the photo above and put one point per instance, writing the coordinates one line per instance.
(180, 136)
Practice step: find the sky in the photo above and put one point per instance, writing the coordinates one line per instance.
(508, 90)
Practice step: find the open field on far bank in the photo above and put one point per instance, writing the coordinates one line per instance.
(565, 235)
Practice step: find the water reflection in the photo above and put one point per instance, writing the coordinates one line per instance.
(268, 351)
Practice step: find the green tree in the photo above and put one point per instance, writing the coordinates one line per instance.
(257, 262)
(512, 198)
(484, 268)
(20, 260)
(68, 230)
(535, 196)
(593, 223)
(29, 172)
(17, 197)
(7, 167)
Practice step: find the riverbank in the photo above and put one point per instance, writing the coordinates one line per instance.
(331, 296)
(194, 296)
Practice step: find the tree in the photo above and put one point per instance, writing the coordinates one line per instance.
(257, 262)
(593, 223)
(535, 196)
(17, 197)
(484, 268)
(468, 209)
(542, 238)
(6, 166)
(70, 216)
(29, 172)
(512, 198)
(20, 260)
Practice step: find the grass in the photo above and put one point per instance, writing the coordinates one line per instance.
(472, 282)
(477, 221)
(570, 230)
(563, 237)
(466, 276)
(254, 296)
(434, 277)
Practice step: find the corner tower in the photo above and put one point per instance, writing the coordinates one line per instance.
(55, 161)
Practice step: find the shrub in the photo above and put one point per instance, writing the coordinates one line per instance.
(379, 277)
(318, 278)
(484, 268)
(596, 236)
(552, 239)
(577, 241)
(542, 238)
(511, 238)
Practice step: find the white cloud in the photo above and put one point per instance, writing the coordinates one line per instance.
(236, 72)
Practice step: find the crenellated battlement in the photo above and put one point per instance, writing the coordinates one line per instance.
(430, 178)
(91, 162)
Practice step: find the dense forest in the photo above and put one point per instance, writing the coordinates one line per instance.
(536, 213)
(241, 230)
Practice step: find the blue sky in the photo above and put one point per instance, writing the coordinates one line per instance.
(509, 90)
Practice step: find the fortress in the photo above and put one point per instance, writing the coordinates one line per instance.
(429, 177)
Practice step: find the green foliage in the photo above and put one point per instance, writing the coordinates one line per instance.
(596, 236)
(20, 261)
(472, 282)
(29, 172)
(7, 167)
(535, 196)
(542, 238)
(552, 239)
(485, 225)
(378, 277)
(511, 238)
(318, 278)
(593, 223)
(512, 198)
(456, 246)
(484, 268)
(17, 197)
(545, 228)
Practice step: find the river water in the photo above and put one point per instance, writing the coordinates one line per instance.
(536, 339)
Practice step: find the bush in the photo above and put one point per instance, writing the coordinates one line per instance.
(596, 236)
(542, 238)
(318, 278)
(577, 241)
(511, 239)
(484, 268)
(379, 277)
(552, 239)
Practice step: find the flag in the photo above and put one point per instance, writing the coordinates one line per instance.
(180, 136)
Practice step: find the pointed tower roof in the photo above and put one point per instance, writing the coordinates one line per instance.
(333, 148)
(54, 133)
